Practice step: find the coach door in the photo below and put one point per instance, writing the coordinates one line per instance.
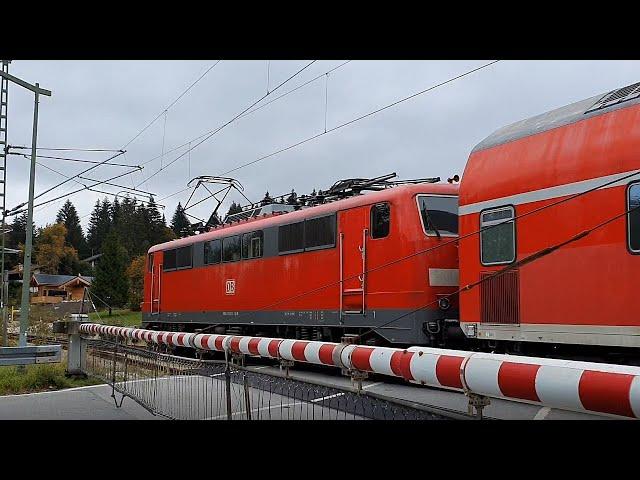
(352, 241)
(156, 283)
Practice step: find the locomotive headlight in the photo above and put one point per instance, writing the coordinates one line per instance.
(444, 303)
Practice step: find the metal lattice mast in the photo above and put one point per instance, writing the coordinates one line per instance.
(4, 102)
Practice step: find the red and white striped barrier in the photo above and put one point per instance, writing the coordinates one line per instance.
(565, 384)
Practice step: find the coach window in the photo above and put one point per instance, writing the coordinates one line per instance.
(291, 238)
(320, 232)
(633, 206)
(212, 252)
(252, 244)
(497, 243)
(184, 257)
(169, 260)
(380, 220)
(231, 249)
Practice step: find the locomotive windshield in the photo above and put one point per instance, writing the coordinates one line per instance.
(439, 214)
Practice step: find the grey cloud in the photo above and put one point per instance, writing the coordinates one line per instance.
(105, 103)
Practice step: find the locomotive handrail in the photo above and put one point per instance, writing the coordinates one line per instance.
(565, 384)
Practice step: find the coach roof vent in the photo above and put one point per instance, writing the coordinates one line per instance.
(617, 96)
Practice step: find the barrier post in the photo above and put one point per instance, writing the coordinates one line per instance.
(76, 354)
(357, 376)
(477, 402)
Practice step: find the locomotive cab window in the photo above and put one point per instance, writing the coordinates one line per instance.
(439, 215)
(252, 244)
(498, 244)
(150, 262)
(212, 252)
(380, 220)
(231, 249)
(633, 206)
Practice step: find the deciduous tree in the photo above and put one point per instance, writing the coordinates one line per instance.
(135, 273)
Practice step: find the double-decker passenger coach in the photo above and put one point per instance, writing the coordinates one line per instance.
(581, 162)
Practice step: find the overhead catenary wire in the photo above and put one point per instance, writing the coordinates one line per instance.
(133, 191)
(21, 147)
(79, 160)
(221, 127)
(255, 109)
(347, 123)
(170, 105)
(17, 210)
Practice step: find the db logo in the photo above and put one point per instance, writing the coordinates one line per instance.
(231, 287)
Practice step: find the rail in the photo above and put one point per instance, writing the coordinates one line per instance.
(570, 385)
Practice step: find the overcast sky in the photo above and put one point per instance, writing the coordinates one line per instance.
(104, 104)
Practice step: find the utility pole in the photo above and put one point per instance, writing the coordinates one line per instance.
(26, 271)
(4, 150)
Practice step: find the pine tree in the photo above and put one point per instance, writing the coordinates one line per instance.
(267, 199)
(111, 283)
(68, 216)
(292, 199)
(16, 237)
(99, 226)
(234, 208)
(180, 223)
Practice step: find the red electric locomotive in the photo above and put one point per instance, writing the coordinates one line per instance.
(318, 272)
(581, 162)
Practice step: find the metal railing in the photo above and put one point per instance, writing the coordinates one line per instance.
(193, 389)
(608, 389)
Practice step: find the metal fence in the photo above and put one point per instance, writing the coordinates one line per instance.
(193, 389)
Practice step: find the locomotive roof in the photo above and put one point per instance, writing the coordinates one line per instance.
(559, 117)
(311, 212)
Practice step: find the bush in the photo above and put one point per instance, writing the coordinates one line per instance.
(38, 377)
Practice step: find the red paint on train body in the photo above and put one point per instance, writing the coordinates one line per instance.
(585, 292)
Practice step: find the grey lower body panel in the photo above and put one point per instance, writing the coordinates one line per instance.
(396, 326)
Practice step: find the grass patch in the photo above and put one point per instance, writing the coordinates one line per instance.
(38, 378)
(120, 318)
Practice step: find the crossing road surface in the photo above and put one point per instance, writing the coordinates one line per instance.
(82, 403)
(96, 403)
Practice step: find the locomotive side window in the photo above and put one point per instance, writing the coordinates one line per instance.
(633, 202)
(184, 257)
(169, 261)
(212, 252)
(231, 249)
(439, 215)
(498, 244)
(380, 220)
(320, 232)
(252, 244)
(291, 237)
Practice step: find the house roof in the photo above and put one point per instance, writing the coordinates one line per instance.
(59, 280)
